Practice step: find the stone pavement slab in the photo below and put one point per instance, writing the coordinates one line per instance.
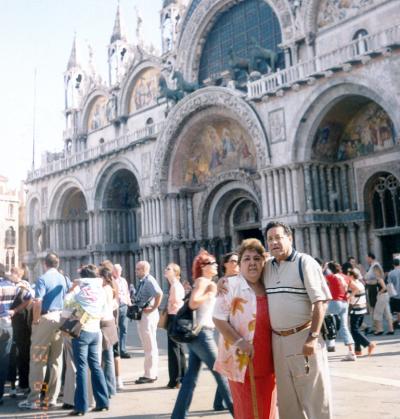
(366, 389)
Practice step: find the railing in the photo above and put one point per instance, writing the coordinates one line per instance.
(100, 150)
(348, 54)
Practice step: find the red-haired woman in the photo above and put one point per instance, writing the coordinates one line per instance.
(203, 348)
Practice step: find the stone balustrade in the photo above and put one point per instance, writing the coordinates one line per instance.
(89, 154)
(357, 51)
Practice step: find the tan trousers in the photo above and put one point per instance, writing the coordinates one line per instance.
(304, 390)
(147, 330)
(46, 352)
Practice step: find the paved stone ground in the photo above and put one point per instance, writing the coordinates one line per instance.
(366, 389)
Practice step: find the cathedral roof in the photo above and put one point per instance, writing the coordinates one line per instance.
(117, 34)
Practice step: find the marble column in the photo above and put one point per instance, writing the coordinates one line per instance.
(277, 193)
(324, 243)
(363, 241)
(316, 187)
(174, 215)
(142, 210)
(331, 193)
(308, 188)
(283, 191)
(295, 189)
(324, 188)
(343, 242)
(353, 251)
(270, 191)
(334, 242)
(314, 241)
(289, 190)
(264, 196)
(162, 214)
(157, 264)
(182, 216)
(345, 189)
(352, 188)
(299, 239)
(190, 217)
(338, 188)
(158, 215)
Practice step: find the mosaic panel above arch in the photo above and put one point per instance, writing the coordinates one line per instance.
(145, 90)
(368, 130)
(98, 114)
(74, 206)
(213, 147)
(331, 12)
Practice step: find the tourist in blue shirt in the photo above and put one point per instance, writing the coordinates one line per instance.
(46, 341)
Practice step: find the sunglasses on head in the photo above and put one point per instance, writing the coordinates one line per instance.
(210, 262)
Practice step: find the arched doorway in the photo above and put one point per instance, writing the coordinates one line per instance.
(120, 227)
(383, 204)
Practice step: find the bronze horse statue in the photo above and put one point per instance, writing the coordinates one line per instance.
(237, 64)
(260, 54)
(170, 94)
(182, 84)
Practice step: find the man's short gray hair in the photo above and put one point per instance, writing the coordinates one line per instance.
(146, 266)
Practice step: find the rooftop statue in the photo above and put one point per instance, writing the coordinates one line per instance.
(238, 66)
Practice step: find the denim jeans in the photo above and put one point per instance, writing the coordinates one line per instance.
(341, 308)
(202, 349)
(122, 327)
(109, 370)
(86, 353)
(359, 338)
(6, 337)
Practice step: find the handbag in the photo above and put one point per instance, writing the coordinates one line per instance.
(72, 325)
(135, 311)
(184, 327)
(163, 321)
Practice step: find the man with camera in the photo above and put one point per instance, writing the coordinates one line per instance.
(148, 296)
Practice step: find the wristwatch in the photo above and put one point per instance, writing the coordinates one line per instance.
(313, 334)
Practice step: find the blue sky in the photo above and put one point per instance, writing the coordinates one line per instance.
(38, 34)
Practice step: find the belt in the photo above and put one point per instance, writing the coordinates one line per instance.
(292, 331)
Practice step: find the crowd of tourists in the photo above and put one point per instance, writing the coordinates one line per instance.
(64, 337)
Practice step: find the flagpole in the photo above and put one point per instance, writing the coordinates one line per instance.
(34, 120)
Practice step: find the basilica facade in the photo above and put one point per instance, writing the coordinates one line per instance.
(255, 110)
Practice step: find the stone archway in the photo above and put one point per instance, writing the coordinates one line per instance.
(200, 22)
(221, 102)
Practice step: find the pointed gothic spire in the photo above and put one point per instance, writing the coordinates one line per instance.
(117, 34)
(72, 62)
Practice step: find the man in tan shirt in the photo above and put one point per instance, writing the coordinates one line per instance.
(297, 296)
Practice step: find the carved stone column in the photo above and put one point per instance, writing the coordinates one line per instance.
(338, 188)
(182, 216)
(190, 217)
(352, 186)
(299, 239)
(162, 215)
(158, 215)
(174, 215)
(295, 190)
(363, 241)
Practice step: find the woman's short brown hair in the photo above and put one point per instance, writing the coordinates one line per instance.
(250, 244)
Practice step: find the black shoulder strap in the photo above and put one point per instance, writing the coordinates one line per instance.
(300, 265)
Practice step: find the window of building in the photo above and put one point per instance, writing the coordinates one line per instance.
(10, 237)
(237, 29)
(11, 211)
(386, 202)
(361, 45)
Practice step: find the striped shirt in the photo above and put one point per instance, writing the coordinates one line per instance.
(8, 292)
(290, 297)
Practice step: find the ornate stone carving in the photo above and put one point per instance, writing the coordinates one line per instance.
(205, 98)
